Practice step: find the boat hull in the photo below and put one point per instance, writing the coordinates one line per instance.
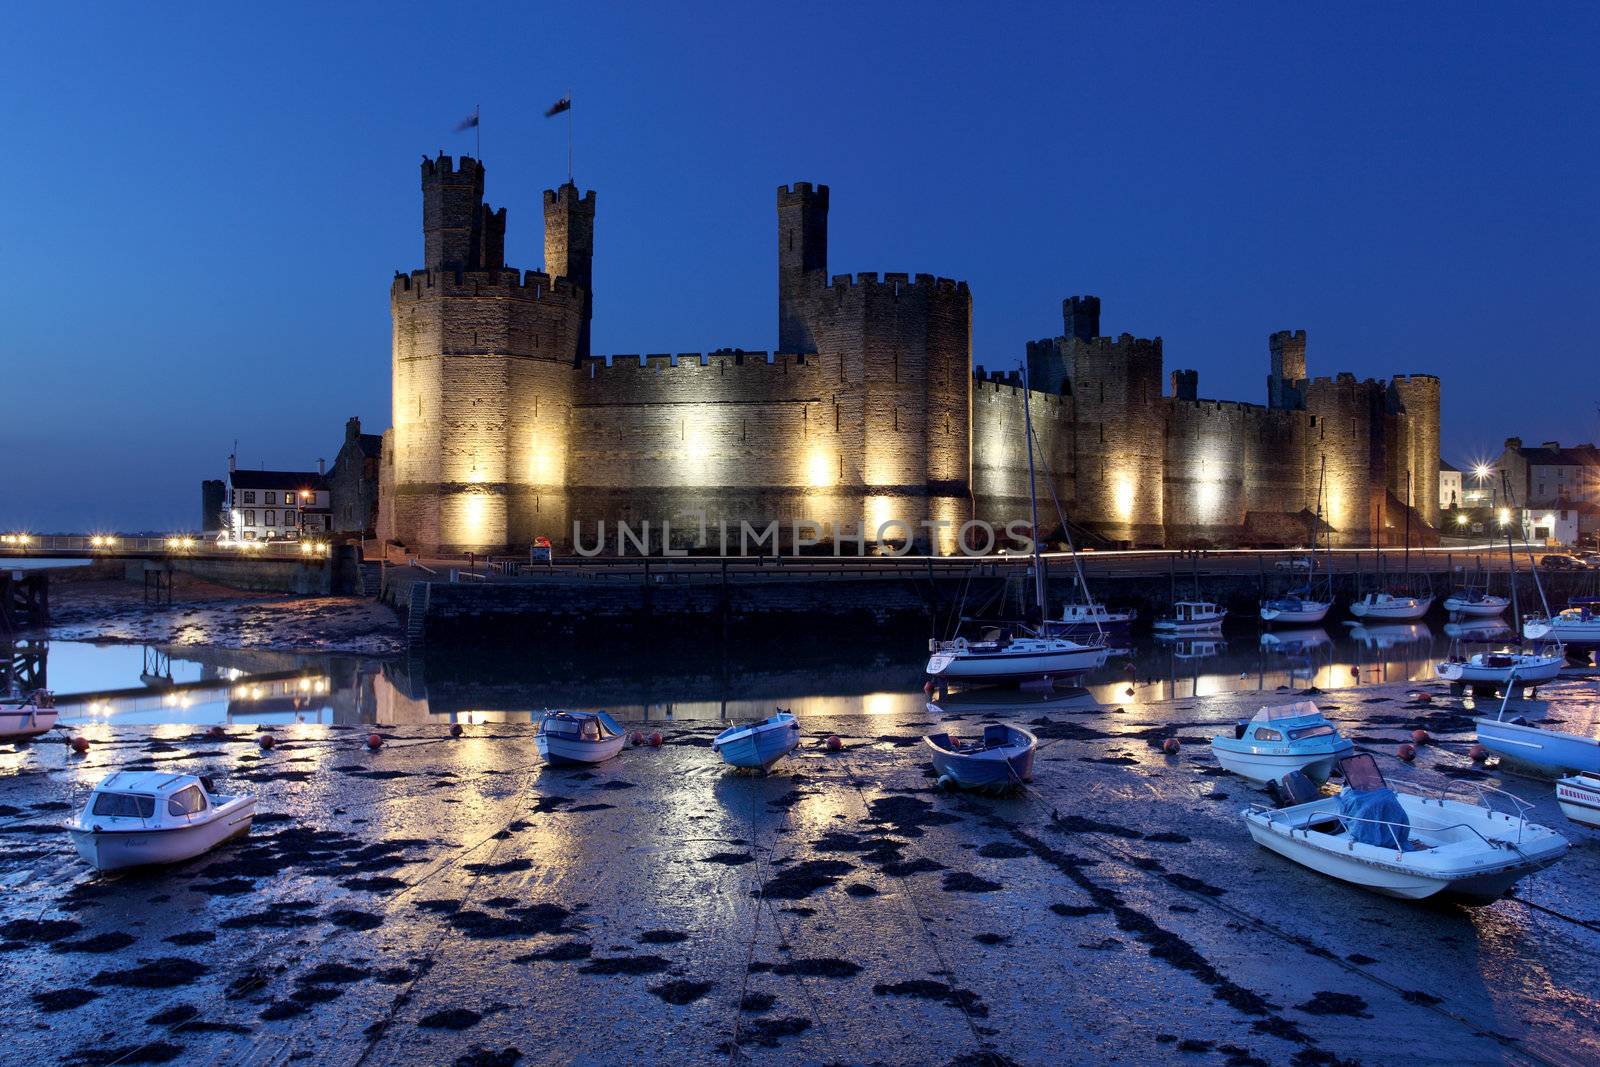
(112, 850)
(1263, 767)
(1581, 635)
(1480, 876)
(1004, 666)
(1579, 797)
(1545, 669)
(993, 770)
(21, 724)
(1474, 609)
(1404, 609)
(759, 747)
(1309, 611)
(573, 750)
(1547, 750)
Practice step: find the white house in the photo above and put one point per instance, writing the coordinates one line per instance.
(276, 505)
(1450, 486)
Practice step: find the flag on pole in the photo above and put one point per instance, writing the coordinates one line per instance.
(564, 104)
(468, 123)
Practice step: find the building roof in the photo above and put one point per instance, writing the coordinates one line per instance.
(1446, 465)
(1574, 456)
(244, 479)
(370, 443)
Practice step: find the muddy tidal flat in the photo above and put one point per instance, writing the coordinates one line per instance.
(452, 900)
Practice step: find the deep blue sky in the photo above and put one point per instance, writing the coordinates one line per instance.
(203, 205)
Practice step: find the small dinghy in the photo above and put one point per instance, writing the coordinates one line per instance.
(140, 818)
(1405, 845)
(1289, 737)
(578, 737)
(22, 717)
(1579, 797)
(758, 745)
(1002, 758)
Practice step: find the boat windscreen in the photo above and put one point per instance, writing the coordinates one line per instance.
(1361, 772)
(608, 722)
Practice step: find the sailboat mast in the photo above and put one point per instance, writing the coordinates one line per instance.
(1511, 556)
(1322, 484)
(1408, 531)
(1033, 498)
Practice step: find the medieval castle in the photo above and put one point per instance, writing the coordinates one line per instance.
(507, 429)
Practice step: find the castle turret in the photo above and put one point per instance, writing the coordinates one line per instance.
(1080, 317)
(569, 247)
(802, 260)
(453, 213)
(1284, 389)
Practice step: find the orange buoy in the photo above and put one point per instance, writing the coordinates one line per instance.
(927, 687)
(374, 741)
(1478, 753)
(455, 729)
(834, 743)
(1406, 751)
(1170, 746)
(638, 738)
(80, 744)
(1355, 672)
(266, 740)
(1422, 698)
(655, 739)
(1419, 736)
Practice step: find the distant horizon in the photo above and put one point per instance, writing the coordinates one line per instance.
(200, 249)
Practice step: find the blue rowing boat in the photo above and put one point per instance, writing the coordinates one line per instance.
(758, 745)
(1001, 759)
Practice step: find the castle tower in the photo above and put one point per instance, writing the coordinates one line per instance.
(802, 261)
(482, 364)
(1080, 317)
(1419, 394)
(453, 213)
(1288, 370)
(569, 246)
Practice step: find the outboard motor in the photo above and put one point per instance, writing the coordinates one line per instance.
(1293, 788)
(207, 784)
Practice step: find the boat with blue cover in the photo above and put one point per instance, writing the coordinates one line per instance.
(1000, 759)
(1407, 845)
(1289, 737)
(578, 737)
(758, 745)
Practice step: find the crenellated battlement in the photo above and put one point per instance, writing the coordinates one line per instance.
(502, 284)
(718, 362)
(444, 166)
(568, 194)
(897, 282)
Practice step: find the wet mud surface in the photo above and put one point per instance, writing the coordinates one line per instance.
(419, 903)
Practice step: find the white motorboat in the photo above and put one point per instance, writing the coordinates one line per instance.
(1082, 618)
(1549, 751)
(1577, 625)
(140, 818)
(758, 745)
(1579, 797)
(1507, 666)
(1296, 607)
(1387, 606)
(1280, 739)
(1475, 604)
(1407, 845)
(1191, 615)
(1289, 737)
(24, 716)
(578, 737)
(999, 657)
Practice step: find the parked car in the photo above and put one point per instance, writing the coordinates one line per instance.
(1560, 563)
(1298, 563)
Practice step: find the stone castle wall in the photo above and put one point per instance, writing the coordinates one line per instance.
(506, 429)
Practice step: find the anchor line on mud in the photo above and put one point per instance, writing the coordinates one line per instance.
(1586, 923)
(755, 936)
(274, 944)
(1125, 860)
(984, 1046)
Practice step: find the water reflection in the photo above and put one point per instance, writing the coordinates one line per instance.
(657, 679)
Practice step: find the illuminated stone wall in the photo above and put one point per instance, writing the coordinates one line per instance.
(505, 430)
